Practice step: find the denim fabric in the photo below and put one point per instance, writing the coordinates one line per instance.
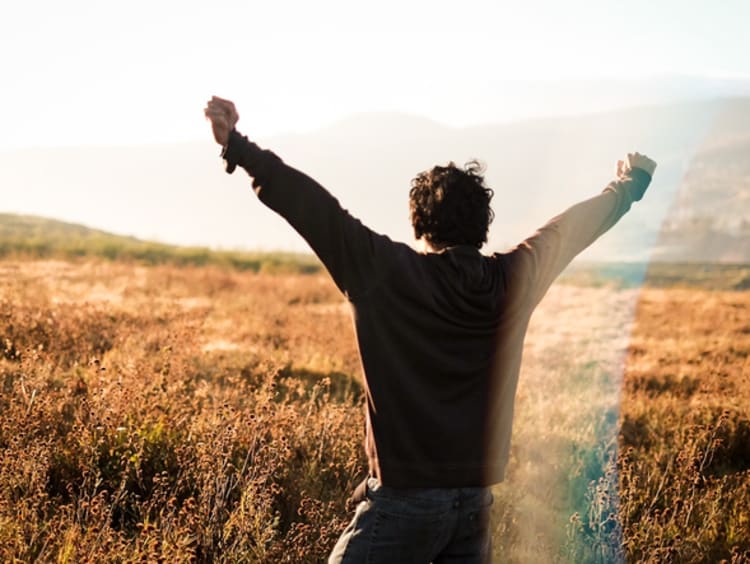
(417, 525)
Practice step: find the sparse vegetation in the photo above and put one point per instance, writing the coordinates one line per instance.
(165, 413)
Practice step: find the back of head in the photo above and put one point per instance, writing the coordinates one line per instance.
(451, 205)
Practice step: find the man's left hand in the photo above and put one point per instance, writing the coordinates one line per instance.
(635, 160)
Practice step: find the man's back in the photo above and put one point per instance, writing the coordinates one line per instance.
(427, 332)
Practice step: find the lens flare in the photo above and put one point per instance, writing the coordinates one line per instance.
(560, 494)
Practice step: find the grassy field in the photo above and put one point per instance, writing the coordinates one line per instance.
(685, 434)
(205, 413)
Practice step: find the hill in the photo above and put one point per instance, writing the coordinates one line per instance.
(37, 237)
(710, 217)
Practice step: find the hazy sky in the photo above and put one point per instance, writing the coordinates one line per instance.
(96, 72)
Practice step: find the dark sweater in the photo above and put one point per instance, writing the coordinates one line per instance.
(440, 334)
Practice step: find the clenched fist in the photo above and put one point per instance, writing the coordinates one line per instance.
(636, 160)
(223, 117)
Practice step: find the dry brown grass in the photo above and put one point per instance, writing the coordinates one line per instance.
(685, 435)
(173, 414)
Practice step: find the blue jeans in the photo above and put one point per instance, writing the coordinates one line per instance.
(419, 525)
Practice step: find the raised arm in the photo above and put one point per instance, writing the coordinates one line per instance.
(353, 254)
(544, 255)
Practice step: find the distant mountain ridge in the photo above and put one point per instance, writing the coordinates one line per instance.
(696, 209)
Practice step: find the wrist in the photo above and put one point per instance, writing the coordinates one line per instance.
(229, 151)
(639, 180)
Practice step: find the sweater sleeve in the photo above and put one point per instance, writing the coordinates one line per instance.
(352, 253)
(542, 257)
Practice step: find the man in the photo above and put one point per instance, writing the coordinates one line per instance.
(440, 335)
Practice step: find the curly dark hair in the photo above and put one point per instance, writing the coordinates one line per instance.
(451, 206)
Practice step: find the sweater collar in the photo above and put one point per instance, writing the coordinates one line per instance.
(461, 250)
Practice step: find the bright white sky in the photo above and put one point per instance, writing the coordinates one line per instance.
(93, 72)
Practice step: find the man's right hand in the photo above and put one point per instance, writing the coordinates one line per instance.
(636, 160)
(223, 117)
